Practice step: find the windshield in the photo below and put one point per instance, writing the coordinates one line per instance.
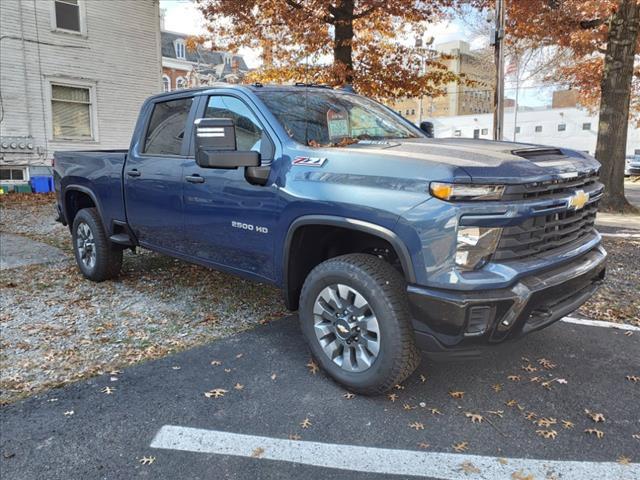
(330, 118)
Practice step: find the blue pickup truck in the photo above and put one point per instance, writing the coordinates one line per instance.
(387, 242)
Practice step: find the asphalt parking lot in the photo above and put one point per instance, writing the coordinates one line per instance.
(154, 420)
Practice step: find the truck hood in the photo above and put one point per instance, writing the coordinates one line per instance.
(487, 161)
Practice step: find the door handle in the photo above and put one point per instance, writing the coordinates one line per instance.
(133, 173)
(194, 179)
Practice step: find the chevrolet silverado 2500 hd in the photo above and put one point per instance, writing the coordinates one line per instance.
(387, 242)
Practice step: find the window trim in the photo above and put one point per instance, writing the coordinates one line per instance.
(179, 46)
(178, 80)
(93, 109)
(188, 131)
(82, 19)
(25, 174)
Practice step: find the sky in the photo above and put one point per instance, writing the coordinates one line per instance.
(182, 16)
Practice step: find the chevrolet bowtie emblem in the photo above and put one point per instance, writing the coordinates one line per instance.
(342, 329)
(578, 200)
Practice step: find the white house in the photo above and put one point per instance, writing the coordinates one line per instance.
(560, 127)
(73, 74)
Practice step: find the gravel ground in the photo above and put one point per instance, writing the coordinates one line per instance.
(57, 327)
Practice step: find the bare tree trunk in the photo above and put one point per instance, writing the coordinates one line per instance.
(343, 42)
(615, 101)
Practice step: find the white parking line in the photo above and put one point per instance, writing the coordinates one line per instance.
(444, 466)
(600, 323)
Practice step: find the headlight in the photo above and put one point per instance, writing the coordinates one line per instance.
(475, 246)
(465, 192)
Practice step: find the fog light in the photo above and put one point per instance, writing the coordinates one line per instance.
(475, 246)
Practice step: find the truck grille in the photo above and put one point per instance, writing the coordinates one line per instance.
(542, 190)
(545, 233)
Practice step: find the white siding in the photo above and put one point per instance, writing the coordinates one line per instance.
(119, 56)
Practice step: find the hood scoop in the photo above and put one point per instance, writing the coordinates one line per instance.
(540, 154)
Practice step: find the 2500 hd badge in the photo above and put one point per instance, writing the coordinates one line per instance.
(249, 227)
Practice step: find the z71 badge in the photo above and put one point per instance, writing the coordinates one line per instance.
(309, 161)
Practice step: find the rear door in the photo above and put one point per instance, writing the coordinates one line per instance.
(228, 220)
(153, 175)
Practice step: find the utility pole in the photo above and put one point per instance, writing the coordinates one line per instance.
(498, 103)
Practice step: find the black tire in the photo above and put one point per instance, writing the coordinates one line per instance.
(383, 288)
(108, 258)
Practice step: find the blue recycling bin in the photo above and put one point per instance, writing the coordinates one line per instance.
(40, 184)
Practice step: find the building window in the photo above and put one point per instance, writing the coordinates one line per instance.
(562, 127)
(13, 174)
(180, 83)
(517, 129)
(538, 128)
(166, 84)
(476, 133)
(457, 133)
(166, 127)
(67, 15)
(586, 126)
(485, 131)
(71, 112)
(413, 111)
(180, 49)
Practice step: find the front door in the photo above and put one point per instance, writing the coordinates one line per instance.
(227, 220)
(153, 177)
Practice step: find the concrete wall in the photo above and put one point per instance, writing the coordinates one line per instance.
(117, 55)
(574, 136)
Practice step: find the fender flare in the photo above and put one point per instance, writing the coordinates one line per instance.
(350, 224)
(82, 189)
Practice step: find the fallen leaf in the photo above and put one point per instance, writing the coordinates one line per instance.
(238, 386)
(595, 431)
(636, 436)
(398, 387)
(514, 378)
(520, 475)
(475, 417)
(628, 333)
(461, 446)
(536, 379)
(147, 460)
(456, 395)
(423, 378)
(215, 393)
(596, 417)
(294, 436)
(176, 367)
(546, 422)
(529, 368)
(502, 461)
(392, 396)
(416, 426)
(633, 378)
(313, 367)
(567, 424)
(227, 370)
(349, 395)
(273, 376)
(548, 434)
(423, 445)
(239, 355)
(562, 381)
(216, 363)
(306, 423)
(468, 467)
(497, 413)
(115, 372)
(546, 364)
(622, 460)
(108, 390)
(531, 416)
(406, 406)
(68, 413)
(435, 411)
(497, 387)
(258, 452)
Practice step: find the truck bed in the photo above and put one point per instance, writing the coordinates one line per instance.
(98, 172)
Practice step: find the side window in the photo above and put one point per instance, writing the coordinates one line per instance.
(248, 130)
(166, 127)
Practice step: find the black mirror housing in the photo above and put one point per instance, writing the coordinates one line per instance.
(215, 145)
(428, 128)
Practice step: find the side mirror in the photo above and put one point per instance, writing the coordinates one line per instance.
(427, 127)
(215, 145)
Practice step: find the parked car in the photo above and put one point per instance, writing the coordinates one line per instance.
(632, 165)
(385, 241)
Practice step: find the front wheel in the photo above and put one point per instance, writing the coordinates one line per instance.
(96, 257)
(355, 317)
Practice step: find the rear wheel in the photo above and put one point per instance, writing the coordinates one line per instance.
(354, 315)
(96, 257)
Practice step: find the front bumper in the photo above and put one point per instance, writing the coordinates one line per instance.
(463, 323)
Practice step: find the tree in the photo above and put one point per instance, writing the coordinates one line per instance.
(338, 42)
(603, 38)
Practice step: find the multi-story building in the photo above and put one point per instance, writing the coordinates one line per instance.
(73, 74)
(183, 67)
(460, 99)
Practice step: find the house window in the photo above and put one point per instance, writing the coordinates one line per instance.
(586, 126)
(476, 133)
(485, 131)
(13, 174)
(562, 127)
(180, 49)
(457, 133)
(538, 128)
(181, 83)
(71, 112)
(517, 129)
(67, 14)
(166, 84)
(413, 111)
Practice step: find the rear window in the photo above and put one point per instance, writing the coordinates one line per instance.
(166, 127)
